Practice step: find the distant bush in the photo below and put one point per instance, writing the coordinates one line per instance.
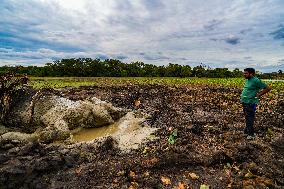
(87, 67)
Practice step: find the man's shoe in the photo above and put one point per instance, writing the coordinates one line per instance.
(251, 137)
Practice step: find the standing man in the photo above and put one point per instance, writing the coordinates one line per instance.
(253, 89)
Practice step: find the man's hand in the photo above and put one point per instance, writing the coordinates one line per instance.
(264, 91)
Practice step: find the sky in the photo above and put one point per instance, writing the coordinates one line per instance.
(219, 33)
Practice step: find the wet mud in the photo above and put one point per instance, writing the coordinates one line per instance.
(210, 147)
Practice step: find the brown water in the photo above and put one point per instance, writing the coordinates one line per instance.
(128, 132)
(88, 134)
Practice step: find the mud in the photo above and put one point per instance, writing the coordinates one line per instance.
(129, 132)
(210, 143)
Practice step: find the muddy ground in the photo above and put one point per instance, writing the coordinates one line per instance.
(210, 148)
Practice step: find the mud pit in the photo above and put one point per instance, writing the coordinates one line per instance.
(128, 132)
(61, 120)
(210, 143)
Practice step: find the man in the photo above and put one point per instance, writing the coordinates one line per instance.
(252, 91)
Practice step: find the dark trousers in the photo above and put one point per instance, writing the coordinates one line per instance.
(249, 111)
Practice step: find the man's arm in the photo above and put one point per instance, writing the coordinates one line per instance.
(264, 91)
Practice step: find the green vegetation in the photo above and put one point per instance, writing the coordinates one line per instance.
(59, 82)
(88, 72)
(87, 67)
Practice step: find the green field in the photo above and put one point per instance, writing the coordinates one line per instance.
(61, 82)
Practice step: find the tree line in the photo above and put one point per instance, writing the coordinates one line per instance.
(87, 67)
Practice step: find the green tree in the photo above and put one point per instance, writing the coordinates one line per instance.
(186, 71)
(173, 70)
(237, 73)
(199, 71)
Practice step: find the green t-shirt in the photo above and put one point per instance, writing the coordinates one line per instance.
(251, 88)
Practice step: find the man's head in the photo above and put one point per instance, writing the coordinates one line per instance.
(249, 72)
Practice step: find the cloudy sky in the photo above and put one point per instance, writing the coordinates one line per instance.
(219, 33)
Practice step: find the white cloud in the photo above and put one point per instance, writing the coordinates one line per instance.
(182, 30)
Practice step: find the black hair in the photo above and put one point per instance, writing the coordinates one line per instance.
(250, 70)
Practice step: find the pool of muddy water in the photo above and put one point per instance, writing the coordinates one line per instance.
(88, 134)
(129, 132)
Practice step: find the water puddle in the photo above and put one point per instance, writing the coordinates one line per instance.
(88, 134)
(129, 132)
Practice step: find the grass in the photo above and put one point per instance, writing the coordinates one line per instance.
(61, 82)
